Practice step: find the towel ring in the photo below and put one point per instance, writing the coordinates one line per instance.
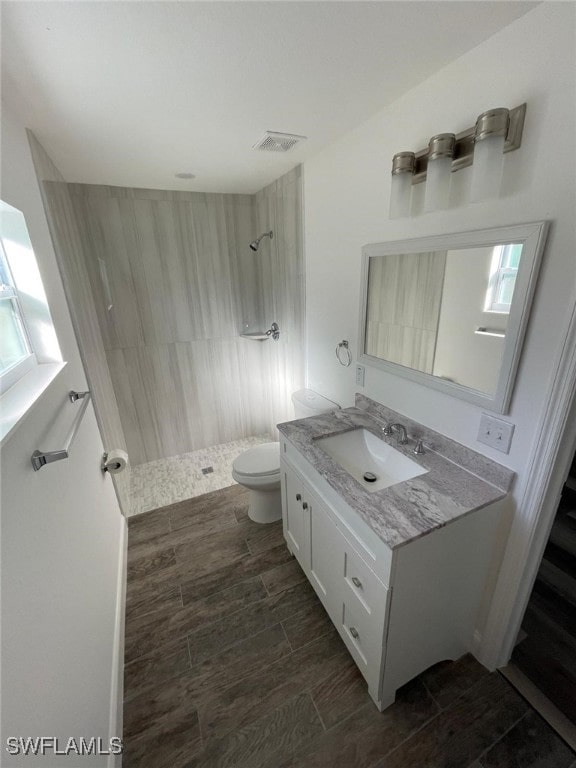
(343, 345)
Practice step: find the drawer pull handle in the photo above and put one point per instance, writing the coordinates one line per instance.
(304, 505)
(356, 581)
(354, 633)
(298, 497)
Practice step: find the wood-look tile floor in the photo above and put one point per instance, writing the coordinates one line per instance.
(231, 662)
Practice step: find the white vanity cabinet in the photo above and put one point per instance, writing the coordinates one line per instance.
(398, 611)
(354, 597)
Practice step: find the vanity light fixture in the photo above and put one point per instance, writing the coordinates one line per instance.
(440, 154)
(489, 137)
(403, 165)
(496, 132)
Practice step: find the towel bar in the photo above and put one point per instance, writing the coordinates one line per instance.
(40, 458)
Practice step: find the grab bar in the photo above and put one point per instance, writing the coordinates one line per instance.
(40, 458)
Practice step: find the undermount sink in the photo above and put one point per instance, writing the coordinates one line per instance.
(361, 454)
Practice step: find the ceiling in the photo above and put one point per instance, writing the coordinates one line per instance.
(131, 93)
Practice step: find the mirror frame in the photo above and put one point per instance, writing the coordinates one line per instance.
(533, 237)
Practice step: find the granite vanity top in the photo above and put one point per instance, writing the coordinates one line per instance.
(410, 509)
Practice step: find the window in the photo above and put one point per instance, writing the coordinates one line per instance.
(16, 356)
(30, 356)
(27, 336)
(503, 271)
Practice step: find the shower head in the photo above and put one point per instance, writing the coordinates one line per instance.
(255, 243)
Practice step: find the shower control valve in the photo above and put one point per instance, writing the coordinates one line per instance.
(274, 331)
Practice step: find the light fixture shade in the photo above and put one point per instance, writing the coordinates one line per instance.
(401, 188)
(439, 170)
(489, 139)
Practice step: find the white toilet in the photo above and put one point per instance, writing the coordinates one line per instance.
(258, 468)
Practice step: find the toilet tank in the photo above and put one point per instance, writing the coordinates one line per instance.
(309, 403)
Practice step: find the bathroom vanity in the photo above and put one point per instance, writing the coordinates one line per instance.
(401, 570)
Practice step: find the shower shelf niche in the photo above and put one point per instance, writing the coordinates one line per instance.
(272, 333)
(255, 336)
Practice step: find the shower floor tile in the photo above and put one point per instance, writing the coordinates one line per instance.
(167, 481)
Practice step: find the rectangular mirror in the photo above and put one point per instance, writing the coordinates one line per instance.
(450, 311)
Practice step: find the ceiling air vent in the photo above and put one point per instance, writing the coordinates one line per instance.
(277, 142)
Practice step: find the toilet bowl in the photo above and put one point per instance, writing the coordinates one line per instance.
(258, 468)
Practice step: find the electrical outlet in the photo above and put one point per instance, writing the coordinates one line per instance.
(360, 375)
(495, 432)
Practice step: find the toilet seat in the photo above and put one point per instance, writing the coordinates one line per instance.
(260, 461)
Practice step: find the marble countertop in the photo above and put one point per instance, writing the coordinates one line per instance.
(410, 509)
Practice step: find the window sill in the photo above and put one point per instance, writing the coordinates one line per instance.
(18, 401)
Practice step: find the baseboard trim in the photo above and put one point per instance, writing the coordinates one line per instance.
(564, 727)
(117, 688)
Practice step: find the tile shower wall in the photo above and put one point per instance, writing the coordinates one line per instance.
(173, 283)
(172, 276)
(68, 247)
(281, 271)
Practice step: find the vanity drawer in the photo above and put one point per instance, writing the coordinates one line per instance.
(363, 586)
(363, 638)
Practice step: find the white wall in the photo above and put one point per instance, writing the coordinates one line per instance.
(346, 206)
(62, 536)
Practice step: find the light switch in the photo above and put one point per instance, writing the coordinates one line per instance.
(495, 432)
(360, 375)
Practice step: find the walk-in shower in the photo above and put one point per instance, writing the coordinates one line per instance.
(255, 243)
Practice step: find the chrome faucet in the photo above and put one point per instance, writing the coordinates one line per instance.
(397, 429)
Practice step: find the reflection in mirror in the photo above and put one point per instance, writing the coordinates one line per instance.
(452, 308)
(444, 313)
